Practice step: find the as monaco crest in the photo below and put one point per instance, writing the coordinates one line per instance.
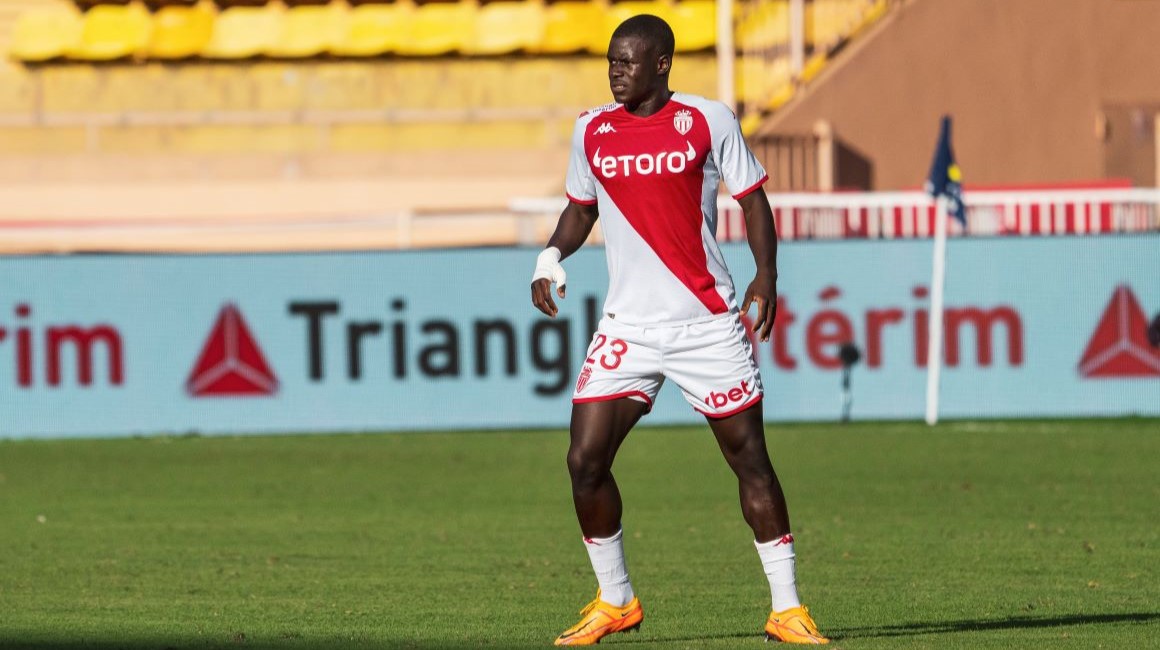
(683, 121)
(583, 379)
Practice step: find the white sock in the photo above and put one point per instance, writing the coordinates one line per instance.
(777, 558)
(607, 555)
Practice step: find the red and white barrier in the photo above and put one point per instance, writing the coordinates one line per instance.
(904, 215)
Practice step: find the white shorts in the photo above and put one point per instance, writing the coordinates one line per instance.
(711, 361)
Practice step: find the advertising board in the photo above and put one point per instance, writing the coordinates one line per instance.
(401, 341)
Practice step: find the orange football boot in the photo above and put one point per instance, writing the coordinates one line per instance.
(601, 619)
(794, 625)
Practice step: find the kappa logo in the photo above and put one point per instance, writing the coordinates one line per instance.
(231, 363)
(1119, 347)
(683, 121)
(605, 128)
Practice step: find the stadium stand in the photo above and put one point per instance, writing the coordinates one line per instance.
(568, 24)
(233, 134)
(309, 31)
(245, 109)
(618, 12)
(766, 78)
(439, 28)
(506, 27)
(110, 32)
(243, 32)
(180, 32)
(315, 91)
(41, 33)
(695, 24)
(238, 3)
(830, 21)
(250, 30)
(374, 30)
(763, 26)
(297, 29)
(88, 4)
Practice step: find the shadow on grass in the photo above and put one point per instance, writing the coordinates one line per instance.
(883, 631)
(1011, 623)
(938, 627)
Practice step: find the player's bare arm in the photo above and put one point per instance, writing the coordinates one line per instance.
(763, 243)
(576, 223)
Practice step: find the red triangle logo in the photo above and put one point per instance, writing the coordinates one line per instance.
(1119, 347)
(231, 363)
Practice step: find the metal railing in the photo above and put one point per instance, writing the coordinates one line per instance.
(529, 222)
(903, 215)
(894, 215)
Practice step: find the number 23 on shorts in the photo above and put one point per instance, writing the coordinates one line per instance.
(612, 356)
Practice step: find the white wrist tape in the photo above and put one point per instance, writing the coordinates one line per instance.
(548, 267)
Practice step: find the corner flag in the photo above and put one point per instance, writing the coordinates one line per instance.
(945, 178)
(944, 184)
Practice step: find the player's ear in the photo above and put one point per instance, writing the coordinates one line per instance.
(664, 64)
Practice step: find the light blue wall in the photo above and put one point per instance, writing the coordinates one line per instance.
(164, 306)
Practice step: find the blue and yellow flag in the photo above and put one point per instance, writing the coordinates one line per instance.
(945, 177)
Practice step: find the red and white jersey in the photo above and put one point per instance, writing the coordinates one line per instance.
(654, 180)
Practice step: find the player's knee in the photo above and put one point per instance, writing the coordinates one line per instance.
(753, 468)
(586, 468)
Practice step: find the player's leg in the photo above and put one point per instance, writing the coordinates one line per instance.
(597, 431)
(713, 364)
(741, 437)
(617, 385)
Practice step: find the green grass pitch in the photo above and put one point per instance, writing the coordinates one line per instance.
(1005, 534)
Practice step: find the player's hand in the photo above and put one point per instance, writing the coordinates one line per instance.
(548, 271)
(762, 292)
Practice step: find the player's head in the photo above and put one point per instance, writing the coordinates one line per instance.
(640, 55)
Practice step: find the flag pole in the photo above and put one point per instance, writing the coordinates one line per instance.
(935, 333)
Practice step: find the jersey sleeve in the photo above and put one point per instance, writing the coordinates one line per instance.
(740, 170)
(579, 184)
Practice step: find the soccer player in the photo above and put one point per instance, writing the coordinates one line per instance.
(649, 165)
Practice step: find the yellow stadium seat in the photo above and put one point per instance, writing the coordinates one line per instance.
(244, 32)
(751, 121)
(870, 16)
(374, 29)
(812, 68)
(829, 22)
(42, 35)
(439, 28)
(765, 28)
(760, 79)
(621, 11)
(180, 32)
(694, 24)
(310, 30)
(781, 96)
(749, 78)
(112, 32)
(503, 27)
(819, 24)
(569, 25)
